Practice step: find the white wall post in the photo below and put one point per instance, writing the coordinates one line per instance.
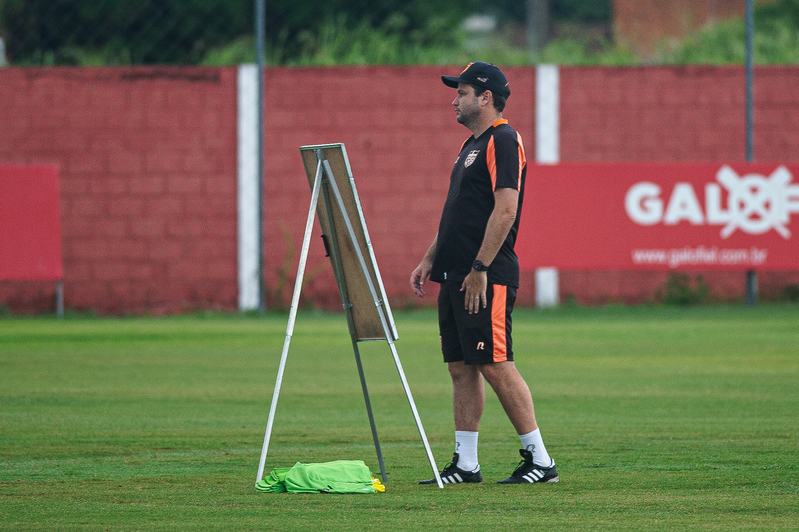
(248, 207)
(546, 287)
(547, 151)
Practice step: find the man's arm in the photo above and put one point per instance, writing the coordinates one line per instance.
(506, 201)
(422, 272)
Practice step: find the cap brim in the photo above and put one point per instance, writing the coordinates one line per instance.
(451, 81)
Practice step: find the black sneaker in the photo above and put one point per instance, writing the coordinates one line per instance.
(452, 474)
(528, 472)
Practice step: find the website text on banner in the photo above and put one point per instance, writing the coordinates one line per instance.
(30, 224)
(661, 216)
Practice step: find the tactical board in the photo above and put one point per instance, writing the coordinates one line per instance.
(347, 266)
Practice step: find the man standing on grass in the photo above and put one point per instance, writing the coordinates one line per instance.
(473, 258)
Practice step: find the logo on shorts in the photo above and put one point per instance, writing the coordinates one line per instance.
(470, 158)
(481, 346)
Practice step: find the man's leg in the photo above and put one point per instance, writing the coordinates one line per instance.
(468, 388)
(516, 400)
(513, 394)
(468, 400)
(468, 396)
(468, 393)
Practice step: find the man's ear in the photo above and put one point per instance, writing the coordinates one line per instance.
(486, 98)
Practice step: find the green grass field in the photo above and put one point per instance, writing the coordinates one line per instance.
(659, 418)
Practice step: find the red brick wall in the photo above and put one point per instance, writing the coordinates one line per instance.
(692, 113)
(148, 167)
(148, 176)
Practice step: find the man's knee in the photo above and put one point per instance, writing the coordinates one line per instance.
(460, 372)
(497, 371)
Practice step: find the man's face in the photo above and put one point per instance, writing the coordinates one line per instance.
(467, 106)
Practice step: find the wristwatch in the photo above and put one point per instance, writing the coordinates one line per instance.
(479, 266)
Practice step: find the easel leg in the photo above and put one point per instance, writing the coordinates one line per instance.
(416, 415)
(369, 409)
(295, 300)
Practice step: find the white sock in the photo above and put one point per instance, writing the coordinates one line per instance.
(466, 447)
(532, 441)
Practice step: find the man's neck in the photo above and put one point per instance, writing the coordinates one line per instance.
(486, 122)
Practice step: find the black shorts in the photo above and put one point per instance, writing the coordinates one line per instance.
(480, 338)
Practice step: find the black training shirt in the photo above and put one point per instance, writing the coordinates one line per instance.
(494, 160)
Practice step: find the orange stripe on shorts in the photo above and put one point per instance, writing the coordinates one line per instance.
(498, 326)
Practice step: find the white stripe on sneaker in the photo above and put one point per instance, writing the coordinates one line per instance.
(533, 476)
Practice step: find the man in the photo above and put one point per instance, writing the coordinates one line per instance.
(473, 258)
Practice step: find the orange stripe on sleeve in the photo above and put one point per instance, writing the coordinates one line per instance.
(522, 160)
(491, 161)
(498, 325)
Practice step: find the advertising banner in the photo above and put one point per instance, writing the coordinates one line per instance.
(30, 224)
(633, 216)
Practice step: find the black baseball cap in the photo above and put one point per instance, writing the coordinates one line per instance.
(484, 75)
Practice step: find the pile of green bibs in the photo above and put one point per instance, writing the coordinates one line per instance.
(341, 476)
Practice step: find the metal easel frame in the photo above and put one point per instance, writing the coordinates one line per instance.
(324, 184)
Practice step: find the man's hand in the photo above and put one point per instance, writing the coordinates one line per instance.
(475, 286)
(422, 272)
(419, 276)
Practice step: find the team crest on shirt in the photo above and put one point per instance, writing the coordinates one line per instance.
(470, 158)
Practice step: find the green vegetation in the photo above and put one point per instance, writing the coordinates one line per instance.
(660, 418)
(776, 39)
(791, 293)
(680, 289)
(186, 31)
(590, 11)
(114, 32)
(346, 32)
